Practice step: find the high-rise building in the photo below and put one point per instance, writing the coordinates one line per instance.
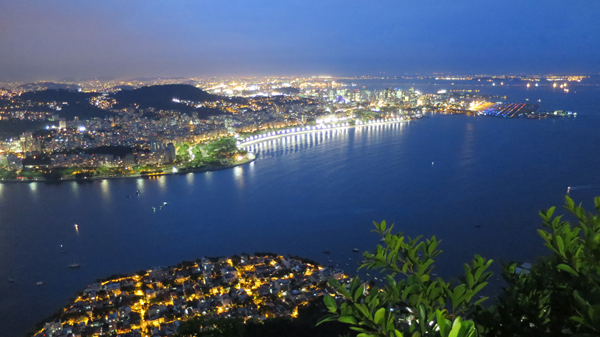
(170, 153)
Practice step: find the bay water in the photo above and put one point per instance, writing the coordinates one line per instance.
(477, 183)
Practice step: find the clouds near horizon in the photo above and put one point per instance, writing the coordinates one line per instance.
(55, 39)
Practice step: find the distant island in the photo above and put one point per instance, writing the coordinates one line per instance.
(249, 288)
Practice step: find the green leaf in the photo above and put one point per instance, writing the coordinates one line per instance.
(358, 293)
(456, 326)
(398, 333)
(358, 329)
(550, 211)
(441, 321)
(330, 303)
(348, 320)
(333, 282)
(561, 245)
(567, 269)
(481, 300)
(570, 203)
(425, 278)
(327, 319)
(379, 315)
(363, 309)
(479, 287)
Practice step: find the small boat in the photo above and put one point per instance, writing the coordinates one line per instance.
(477, 226)
(326, 252)
(356, 250)
(40, 283)
(74, 265)
(11, 279)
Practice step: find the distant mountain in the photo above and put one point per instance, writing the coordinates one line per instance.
(58, 95)
(49, 85)
(77, 103)
(161, 97)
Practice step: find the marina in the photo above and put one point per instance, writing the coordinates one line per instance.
(523, 110)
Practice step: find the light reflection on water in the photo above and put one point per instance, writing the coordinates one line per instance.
(238, 175)
(105, 189)
(304, 194)
(140, 184)
(162, 182)
(290, 144)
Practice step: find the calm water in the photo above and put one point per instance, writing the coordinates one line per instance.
(307, 194)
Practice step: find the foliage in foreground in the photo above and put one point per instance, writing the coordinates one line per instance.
(412, 301)
(559, 296)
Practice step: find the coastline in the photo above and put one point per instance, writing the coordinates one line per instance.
(137, 175)
(196, 291)
(261, 139)
(207, 168)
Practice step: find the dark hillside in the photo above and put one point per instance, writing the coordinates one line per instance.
(77, 103)
(161, 97)
(57, 95)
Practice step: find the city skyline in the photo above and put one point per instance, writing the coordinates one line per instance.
(60, 40)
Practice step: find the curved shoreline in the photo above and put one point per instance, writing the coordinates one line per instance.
(209, 168)
(91, 179)
(315, 130)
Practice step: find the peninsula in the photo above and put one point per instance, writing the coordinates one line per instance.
(158, 301)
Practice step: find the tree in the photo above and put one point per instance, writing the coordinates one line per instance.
(560, 295)
(557, 296)
(411, 301)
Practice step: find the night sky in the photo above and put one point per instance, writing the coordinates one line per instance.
(54, 40)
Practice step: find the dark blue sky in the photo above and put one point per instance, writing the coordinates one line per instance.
(55, 39)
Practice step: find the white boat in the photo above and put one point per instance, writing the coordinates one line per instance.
(74, 265)
(40, 283)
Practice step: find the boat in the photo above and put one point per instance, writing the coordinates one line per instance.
(74, 265)
(40, 283)
(356, 250)
(326, 252)
(11, 279)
